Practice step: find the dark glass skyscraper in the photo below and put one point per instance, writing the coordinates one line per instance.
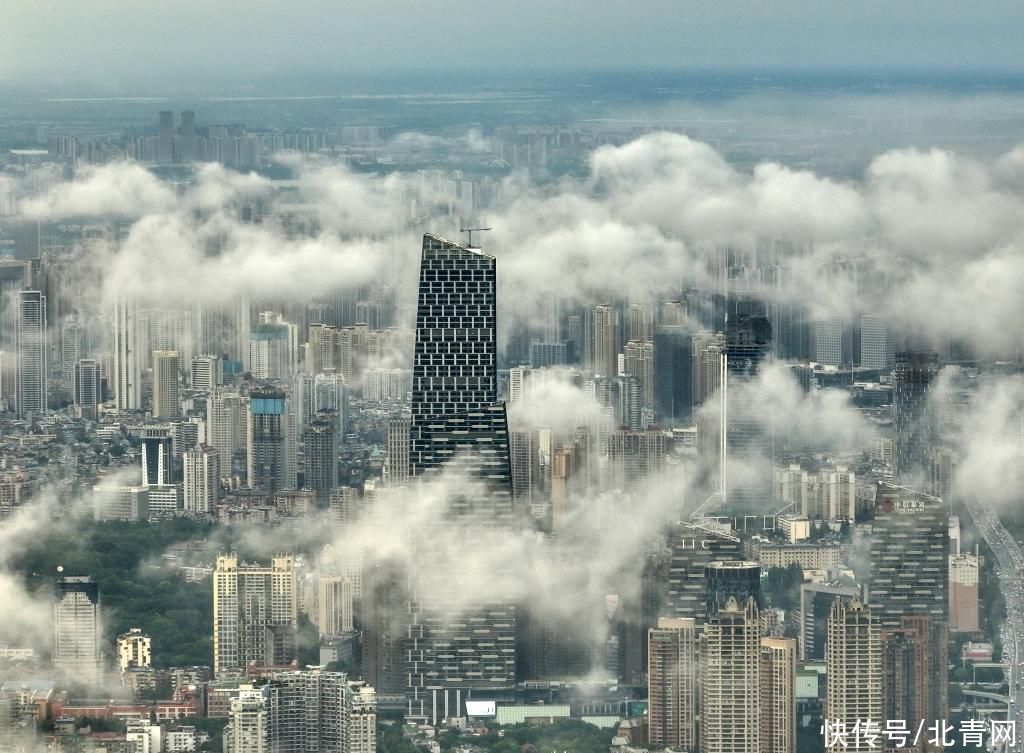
(673, 373)
(455, 374)
(267, 445)
(747, 443)
(454, 651)
(32, 367)
(321, 455)
(729, 579)
(909, 556)
(913, 427)
(909, 583)
(87, 388)
(157, 457)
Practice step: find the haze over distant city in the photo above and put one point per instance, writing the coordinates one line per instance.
(105, 41)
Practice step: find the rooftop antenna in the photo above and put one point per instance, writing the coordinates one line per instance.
(469, 231)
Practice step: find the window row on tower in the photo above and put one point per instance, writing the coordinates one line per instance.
(455, 334)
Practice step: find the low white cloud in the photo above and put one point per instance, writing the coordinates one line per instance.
(990, 461)
(554, 402)
(28, 615)
(121, 190)
(217, 187)
(922, 233)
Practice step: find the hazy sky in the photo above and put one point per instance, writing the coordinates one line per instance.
(104, 39)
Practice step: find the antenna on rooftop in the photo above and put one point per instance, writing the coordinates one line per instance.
(469, 231)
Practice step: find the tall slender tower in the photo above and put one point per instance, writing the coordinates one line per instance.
(15, 276)
(32, 371)
(673, 373)
(605, 340)
(127, 369)
(641, 321)
(730, 701)
(913, 425)
(165, 138)
(707, 366)
(87, 388)
(328, 393)
(72, 346)
(165, 384)
(188, 137)
(912, 672)
(672, 682)
(639, 358)
(384, 624)
(853, 657)
(226, 425)
(398, 450)
(202, 479)
(321, 455)
(361, 713)
(778, 695)
(270, 350)
(267, 445)
(457, 424)
(747, 446)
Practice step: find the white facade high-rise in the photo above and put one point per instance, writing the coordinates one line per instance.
(127, 382)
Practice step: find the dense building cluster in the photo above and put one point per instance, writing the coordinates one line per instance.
(784, 578)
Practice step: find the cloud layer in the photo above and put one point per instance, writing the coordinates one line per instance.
(919, 235)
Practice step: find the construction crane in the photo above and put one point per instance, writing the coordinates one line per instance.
(470, 231)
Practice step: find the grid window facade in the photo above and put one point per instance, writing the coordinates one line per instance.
(457, 424)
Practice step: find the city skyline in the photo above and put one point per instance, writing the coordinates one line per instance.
(661, 391)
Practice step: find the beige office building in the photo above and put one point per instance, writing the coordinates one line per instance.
(778, 695)
(730, 702)
(672, 683)
(963, 594)
(853, 659)
(166, 403)
(255, 613)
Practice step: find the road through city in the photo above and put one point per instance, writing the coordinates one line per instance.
(1010, 571)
